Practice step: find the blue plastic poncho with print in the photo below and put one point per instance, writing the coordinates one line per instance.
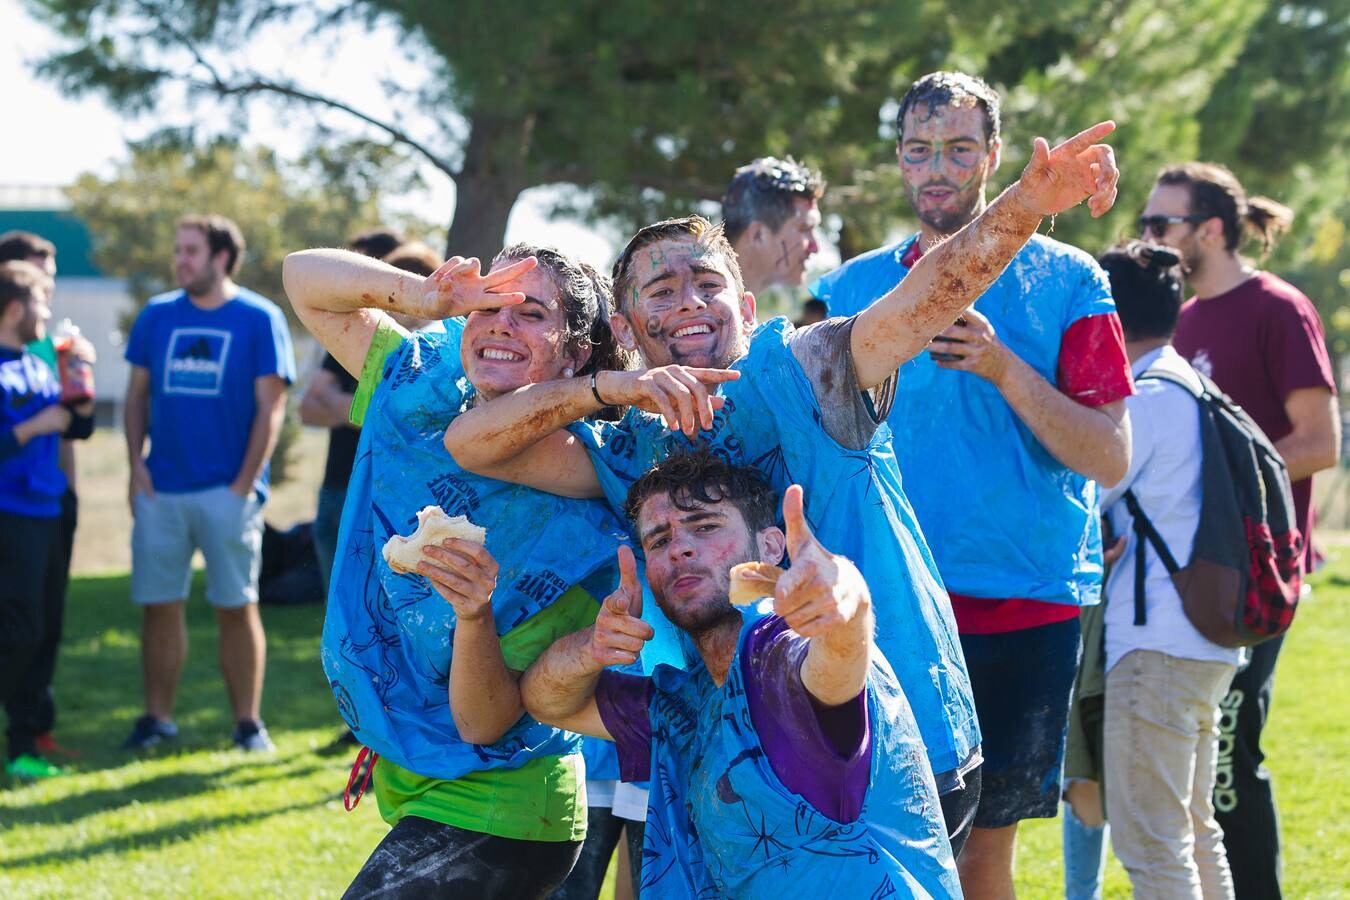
(387, 637)
(854, 502)
(1003, 516)
(721, 824)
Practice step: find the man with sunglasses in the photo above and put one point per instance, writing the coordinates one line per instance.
(1002, 431)
(1262, 341)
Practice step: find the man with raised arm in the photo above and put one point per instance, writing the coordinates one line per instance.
(802, 406)
(786, 756)
(1004, 430)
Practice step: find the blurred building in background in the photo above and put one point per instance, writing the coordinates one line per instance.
(98, 305)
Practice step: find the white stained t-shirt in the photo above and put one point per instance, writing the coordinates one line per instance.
(1165, 475)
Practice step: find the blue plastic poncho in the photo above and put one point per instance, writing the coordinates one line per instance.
(387, 637)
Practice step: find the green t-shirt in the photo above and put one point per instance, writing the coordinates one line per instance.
(44, 350)
(543, 800)
(388, 337)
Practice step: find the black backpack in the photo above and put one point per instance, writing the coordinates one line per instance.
(1241, 585)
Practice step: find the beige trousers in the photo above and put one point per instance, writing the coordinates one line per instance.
(1160, 747)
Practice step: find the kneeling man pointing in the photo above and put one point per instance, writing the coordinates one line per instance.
(786, 758)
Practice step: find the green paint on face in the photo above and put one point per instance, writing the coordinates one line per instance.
(937, 152)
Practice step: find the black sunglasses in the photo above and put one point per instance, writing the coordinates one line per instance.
(1159, 223)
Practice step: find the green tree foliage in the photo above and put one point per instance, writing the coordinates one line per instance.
(279, 206)
(645, 110)
(319, 201)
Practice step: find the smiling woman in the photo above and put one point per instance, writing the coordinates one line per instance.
(483, 800)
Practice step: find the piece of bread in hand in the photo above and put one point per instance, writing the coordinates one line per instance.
(752, 580)
(433, 526)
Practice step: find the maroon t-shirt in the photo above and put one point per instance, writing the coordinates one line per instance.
(1259, 342)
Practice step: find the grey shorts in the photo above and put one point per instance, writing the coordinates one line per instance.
(169, 527)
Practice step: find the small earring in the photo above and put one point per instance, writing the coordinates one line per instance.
(567, 373)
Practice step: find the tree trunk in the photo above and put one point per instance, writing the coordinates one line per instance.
(491, 179)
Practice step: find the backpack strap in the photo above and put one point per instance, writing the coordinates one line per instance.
(1145, 532)
(1158, 373)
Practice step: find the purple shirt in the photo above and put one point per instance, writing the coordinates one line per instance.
(822, 753)
(1260, 341)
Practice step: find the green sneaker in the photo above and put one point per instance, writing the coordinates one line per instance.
(30, 768)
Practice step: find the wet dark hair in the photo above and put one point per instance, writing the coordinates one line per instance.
(221, 235)
(1216, 192)
(951, 89)
(702, 477)
(697, 228)
(585, 297)
(1146, 284)
(379, 243)
(765, 191)
(23, 245)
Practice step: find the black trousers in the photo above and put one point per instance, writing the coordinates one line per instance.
(603, 830)
(32, 602)
(958, 809)
(1244, 797)
(419, 858)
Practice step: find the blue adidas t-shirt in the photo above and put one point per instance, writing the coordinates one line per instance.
(203, 364)
(1004, 518)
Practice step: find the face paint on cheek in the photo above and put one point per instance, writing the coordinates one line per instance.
(653, 327)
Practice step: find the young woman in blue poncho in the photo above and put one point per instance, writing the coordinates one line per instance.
(484, 800)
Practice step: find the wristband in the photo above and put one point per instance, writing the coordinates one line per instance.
(595, 391)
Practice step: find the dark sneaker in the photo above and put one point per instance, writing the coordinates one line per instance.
(149, 732)
(27, 767)
(250, 735)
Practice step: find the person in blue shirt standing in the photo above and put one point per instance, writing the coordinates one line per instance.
(210, 366)
(1003, 430)
(801, 406)
(32, 572)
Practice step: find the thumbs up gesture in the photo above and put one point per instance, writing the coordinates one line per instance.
(821, 590)
(619, 633)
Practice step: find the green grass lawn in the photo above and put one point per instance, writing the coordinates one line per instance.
(207, 821)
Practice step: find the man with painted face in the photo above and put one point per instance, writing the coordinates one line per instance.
(770, 216)
(802, 406)
(1003, 429)
(787, 721)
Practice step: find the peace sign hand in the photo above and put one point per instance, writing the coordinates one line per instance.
(1060, 178)
(619, 633)
(457, 288)
(822, 590)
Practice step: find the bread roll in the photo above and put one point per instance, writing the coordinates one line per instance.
(433, 526)
(752, 580)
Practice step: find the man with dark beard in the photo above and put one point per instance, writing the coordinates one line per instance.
(1002, 430)
(1262, 341)
(803, 406)
(210, 364)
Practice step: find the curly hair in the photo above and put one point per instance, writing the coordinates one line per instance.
(939, 89)
(700, 477)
